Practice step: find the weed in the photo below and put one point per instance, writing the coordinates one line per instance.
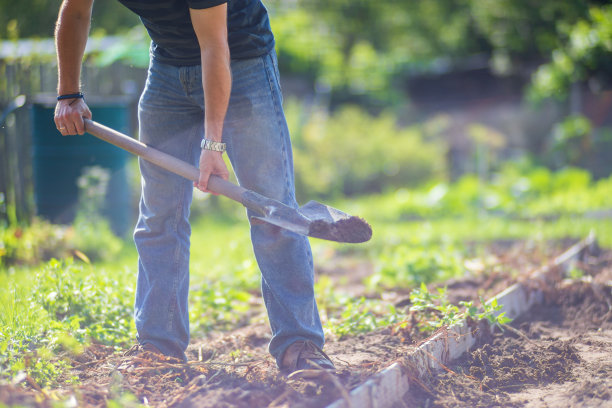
(575, 273)
(490, 313)
(434, 310)
(90, 237)
(217, 305)
(89, 304)
(362, 316)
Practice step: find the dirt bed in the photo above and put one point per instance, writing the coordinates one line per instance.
(557, 355)
(563, 354)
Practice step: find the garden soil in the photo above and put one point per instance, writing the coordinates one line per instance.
(558, 354)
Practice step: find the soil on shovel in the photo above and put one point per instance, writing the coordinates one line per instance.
(557, 355)
(350, 229)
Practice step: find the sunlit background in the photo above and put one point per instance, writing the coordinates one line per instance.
(380, 96)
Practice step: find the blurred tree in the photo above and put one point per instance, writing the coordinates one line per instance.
(584, 54)
(525, 28)
(364, 44)
(36, 18)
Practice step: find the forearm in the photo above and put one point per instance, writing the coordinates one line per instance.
(210, 26)
(71, 34)
(217, 83)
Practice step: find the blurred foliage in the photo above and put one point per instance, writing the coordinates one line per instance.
(38, 242)
(89, 238)
(367, 46)
(133, 49)
(329, 162)
(36, 18)
(404, 265)
(572, 139)
(93, 234)
(362, 46)
(517, 190)
(585, 52)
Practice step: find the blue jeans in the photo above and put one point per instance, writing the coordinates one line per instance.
(171, 117)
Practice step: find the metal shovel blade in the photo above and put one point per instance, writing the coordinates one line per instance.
(313, 219)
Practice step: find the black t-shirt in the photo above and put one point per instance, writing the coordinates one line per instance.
(174, 41)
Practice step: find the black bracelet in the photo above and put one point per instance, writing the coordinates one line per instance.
(78, 95)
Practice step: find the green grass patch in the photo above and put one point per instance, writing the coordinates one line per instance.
(56, 310)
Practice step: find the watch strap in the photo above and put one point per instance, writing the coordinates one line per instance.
(208, 144)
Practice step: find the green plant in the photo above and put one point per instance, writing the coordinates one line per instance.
(217, 305)
(575, 273)
(516, 190)
(489, 313)
(21, 348)
(94, 238)
(433, 309)
(361, 316)
(67, 306)
(92, 305)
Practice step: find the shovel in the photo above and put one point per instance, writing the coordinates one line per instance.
(313, 219)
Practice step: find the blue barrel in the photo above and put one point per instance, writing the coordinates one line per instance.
(58, 162)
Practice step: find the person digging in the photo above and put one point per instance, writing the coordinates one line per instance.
(212, 87)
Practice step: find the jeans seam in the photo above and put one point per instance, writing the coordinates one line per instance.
(275, 71)
(276, 103)
(175, 263)
(177, 252)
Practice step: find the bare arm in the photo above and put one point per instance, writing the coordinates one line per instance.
(210, 26)
(71, 34)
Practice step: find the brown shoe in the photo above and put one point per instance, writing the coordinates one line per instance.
(306, 359)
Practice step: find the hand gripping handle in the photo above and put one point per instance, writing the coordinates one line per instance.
(163, 160)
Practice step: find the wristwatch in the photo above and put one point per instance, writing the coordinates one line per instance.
(208, 144)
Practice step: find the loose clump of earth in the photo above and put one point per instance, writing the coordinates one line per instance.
(557, 354)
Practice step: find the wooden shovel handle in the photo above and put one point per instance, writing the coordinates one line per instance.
(163, 160)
